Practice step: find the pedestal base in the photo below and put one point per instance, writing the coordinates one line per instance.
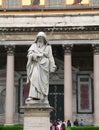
(37, 116)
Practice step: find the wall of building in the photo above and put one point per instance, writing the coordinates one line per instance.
(62, 27)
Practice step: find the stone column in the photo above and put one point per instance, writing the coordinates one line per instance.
(9, 102)
(96, 84)
(67, 83)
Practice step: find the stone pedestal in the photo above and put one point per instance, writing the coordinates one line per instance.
(37, 116)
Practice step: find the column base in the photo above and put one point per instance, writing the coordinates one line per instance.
(96, 124)
(9, 124)
(37, 116)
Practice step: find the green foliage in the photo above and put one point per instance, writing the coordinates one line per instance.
(84, 128)
(11, 127)
(69, 128)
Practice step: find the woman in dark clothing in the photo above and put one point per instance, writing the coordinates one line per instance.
(68, 123)
(76, 123)
(54, 126)
(63, 127)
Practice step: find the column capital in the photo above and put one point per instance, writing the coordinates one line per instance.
(10, 49)
(67, 48)
(96, 49)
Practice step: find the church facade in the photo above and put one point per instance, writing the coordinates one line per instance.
(72, 29)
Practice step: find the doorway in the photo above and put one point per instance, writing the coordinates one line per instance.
(56, 100)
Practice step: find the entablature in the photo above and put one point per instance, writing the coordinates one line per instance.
(54, 42)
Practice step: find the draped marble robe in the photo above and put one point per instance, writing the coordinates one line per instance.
(40, 64)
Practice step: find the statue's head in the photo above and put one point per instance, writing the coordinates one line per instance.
(41, 36)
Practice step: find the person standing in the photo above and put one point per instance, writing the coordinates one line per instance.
(63, 126)
(68, 123)
(81, 123)
(76, 122)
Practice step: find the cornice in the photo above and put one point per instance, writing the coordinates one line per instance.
(67, 42)
(60, 13)
(50, 29)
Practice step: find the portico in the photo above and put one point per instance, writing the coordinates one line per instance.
(68, 84)
(75, 40)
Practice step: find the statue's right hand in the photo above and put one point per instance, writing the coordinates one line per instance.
(45, 54)
(40, 55)
(28, 81)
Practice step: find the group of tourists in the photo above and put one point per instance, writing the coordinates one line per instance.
(78, 123)
(59, 125)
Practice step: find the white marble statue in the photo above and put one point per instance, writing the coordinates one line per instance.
(40, 64)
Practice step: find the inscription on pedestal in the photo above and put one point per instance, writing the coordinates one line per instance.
(37, 117)
(36, 123)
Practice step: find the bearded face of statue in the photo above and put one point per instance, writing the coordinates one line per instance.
(40, 39)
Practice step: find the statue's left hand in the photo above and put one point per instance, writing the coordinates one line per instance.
(39, 55)
(53, 69)
(45, 54)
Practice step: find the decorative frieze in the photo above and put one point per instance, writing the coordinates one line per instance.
(49, 29)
